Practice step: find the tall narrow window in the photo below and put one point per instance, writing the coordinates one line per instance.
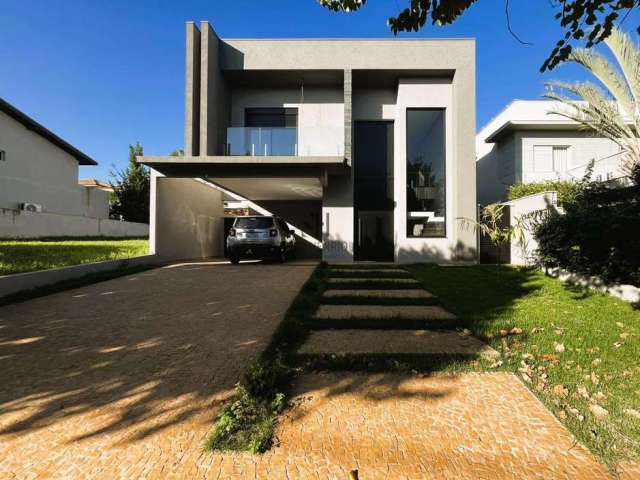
(560, 156)
(426, 200)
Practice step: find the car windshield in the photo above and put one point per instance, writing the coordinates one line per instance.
(254, 222)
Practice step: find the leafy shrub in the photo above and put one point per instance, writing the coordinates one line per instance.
(567, 190)
(599, 234)
(247, 423)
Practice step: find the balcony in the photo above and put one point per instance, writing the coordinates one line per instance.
(284, 141)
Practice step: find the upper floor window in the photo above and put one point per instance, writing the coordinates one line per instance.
(548, 158)
(271, 117)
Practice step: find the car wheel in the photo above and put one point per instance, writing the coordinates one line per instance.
(282, 254)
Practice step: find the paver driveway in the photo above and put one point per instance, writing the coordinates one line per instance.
(122, 379)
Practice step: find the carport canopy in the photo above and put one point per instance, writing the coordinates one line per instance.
(256, 178)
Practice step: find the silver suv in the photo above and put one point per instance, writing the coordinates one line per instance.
(261, 237)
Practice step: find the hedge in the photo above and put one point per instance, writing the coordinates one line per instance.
(567, 190)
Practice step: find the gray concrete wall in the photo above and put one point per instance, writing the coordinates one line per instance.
(348, 114)
(192, 92)
(188, 219)
(37, 171)
(214, 97)
(20, 224)
(354, 54)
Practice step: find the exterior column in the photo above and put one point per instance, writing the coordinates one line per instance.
(192, 92)
(348, 109)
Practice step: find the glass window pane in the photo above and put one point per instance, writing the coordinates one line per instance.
(254, 222)
(426, 201)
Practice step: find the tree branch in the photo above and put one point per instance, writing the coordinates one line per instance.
(513, 34)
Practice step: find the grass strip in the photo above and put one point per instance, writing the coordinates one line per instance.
(21, 256)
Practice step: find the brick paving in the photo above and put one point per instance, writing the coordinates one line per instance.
(123, 379)
(390, 426)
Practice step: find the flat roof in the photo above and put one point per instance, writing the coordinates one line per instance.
(514, 125)
(30, 124)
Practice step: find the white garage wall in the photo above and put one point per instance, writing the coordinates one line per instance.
(186, 219)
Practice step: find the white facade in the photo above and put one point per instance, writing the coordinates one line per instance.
(33, 169)
(525, 143)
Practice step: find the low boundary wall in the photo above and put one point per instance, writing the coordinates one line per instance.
(18, 282)
(21, 224)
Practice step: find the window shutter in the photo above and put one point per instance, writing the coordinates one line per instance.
(542, 158)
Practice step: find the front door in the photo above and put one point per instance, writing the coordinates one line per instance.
(373, 191)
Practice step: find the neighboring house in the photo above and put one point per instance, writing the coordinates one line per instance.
(38, 167)
(525, 143)
(39, 190)
(92, 182)
(366, 146)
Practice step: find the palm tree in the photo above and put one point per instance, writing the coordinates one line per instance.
(613, 112)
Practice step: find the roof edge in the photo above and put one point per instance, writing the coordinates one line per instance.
(30, 124)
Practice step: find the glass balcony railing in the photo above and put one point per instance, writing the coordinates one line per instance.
(286, 141)
(262, 141)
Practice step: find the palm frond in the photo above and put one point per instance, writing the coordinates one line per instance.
(609, 75)
(627, 54)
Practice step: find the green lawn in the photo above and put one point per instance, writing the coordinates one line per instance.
(17, 256)
(578, 351)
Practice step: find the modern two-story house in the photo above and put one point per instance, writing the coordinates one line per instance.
(364, 146)
(526, 143)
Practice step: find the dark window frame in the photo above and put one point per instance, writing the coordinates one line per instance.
(444, 170)
(286, 112)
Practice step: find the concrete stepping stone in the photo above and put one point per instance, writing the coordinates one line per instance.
(413, 293)
(373, 280)
(428, 342)
(409, 312)
(368, 270)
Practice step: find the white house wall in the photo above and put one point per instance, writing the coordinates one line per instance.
(320, 115)
(36, 171)
(583, 148)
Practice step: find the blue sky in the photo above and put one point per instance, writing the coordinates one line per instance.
(103, 74)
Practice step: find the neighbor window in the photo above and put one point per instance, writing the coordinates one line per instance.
(3, 156)
(426, 202)
(547, 158)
